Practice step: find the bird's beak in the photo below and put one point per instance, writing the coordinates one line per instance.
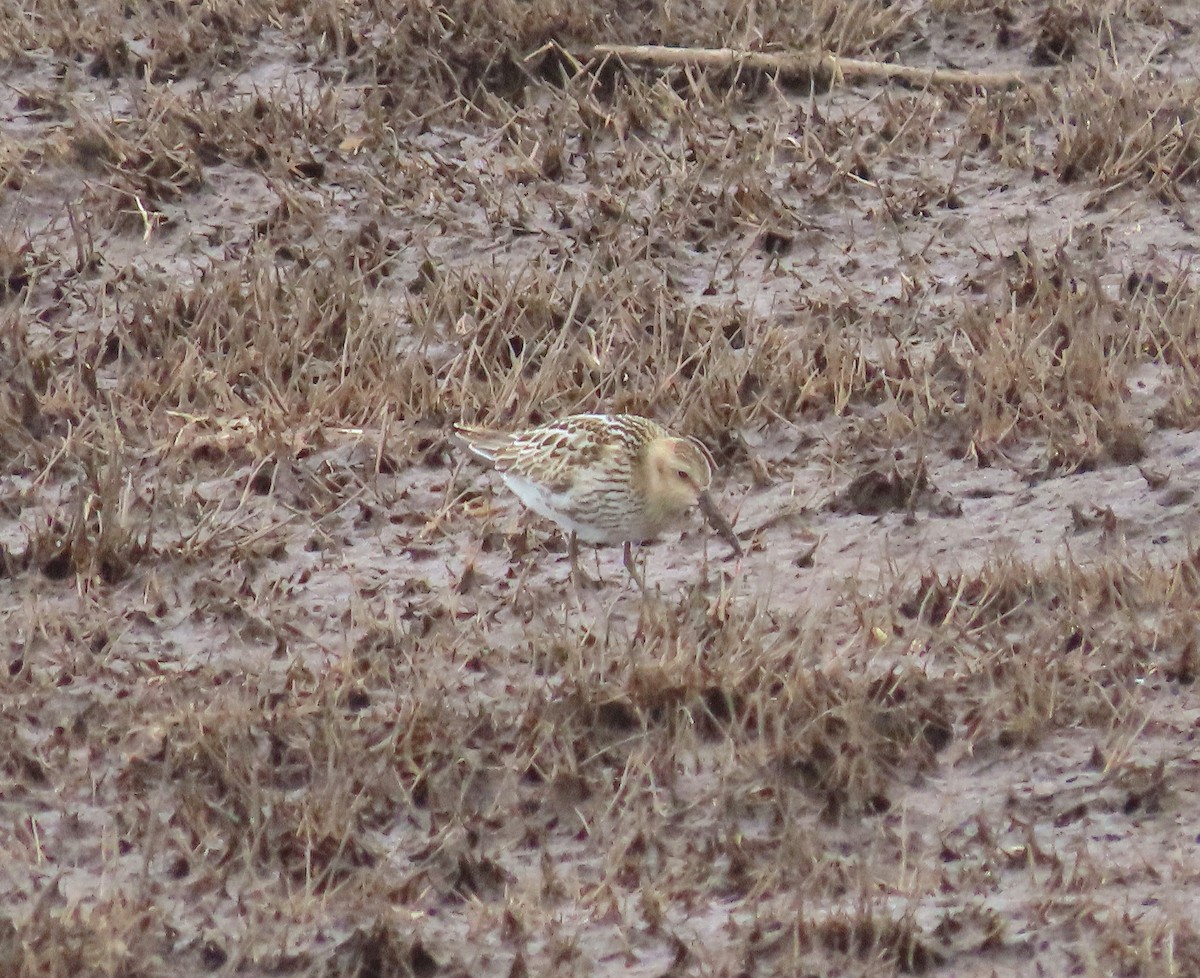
(718, 522)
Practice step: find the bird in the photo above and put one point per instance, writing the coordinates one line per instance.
(604, 478)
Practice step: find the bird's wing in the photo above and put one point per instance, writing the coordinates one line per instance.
(553, 454)
(558, 453)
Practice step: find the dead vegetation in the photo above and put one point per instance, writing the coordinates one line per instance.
(289, 690)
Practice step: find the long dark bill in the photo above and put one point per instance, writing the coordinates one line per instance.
(718, 522)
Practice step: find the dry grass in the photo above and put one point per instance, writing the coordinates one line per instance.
(289, 690)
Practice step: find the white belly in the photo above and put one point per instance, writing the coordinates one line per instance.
(593, 517)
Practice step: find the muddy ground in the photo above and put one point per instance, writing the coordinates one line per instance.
(291, 687)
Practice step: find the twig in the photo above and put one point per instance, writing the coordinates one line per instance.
(805, 64)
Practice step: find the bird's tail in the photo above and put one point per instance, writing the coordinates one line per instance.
(484, 442)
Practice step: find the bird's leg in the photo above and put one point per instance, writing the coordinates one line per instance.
(578, 577)
(632, 567)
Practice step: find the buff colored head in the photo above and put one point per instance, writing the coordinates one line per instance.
(679, 472)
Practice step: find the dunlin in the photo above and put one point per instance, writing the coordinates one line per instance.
(604, 478)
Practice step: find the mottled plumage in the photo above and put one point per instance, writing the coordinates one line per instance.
(604, 478)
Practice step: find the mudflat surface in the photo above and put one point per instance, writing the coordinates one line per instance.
(292, 687)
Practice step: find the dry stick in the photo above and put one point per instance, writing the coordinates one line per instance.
(804, 63)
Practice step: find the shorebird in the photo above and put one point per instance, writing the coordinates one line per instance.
(604, 478)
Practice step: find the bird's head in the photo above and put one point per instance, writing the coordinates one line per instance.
(680, 473)
(681, 470)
